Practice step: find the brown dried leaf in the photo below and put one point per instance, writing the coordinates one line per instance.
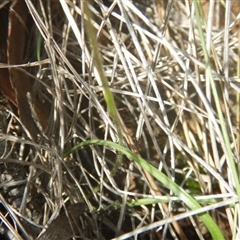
(17, 32)
(5, 85)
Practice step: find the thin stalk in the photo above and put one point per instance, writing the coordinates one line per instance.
(107, 92)
(217, 102)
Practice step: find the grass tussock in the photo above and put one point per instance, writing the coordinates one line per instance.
(138, 123)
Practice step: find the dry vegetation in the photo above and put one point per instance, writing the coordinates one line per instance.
(175, 109)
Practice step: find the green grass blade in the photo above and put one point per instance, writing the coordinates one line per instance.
(108, 96)
(217, 101)
(161, 177)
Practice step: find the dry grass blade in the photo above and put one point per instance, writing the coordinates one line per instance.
(154, 65)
